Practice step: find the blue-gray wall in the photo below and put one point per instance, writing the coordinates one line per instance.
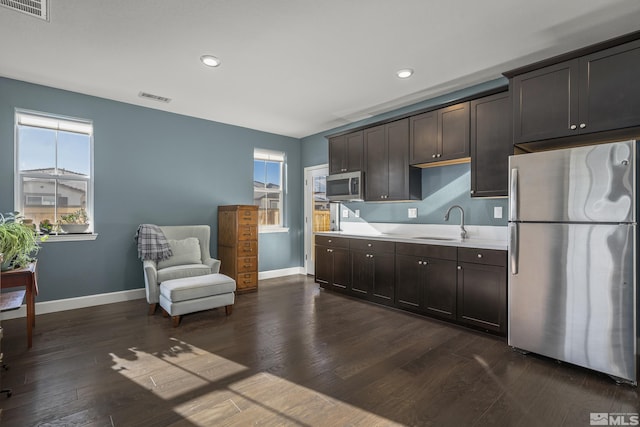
(150, 167)
(163, 168)
(441, 186)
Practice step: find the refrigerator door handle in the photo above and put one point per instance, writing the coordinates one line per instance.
(513, 196)
(513, 248)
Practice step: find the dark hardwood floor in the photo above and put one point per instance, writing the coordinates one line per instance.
(291, 354)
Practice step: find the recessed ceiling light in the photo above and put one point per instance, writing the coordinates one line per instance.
(405, 73)
(210, 61)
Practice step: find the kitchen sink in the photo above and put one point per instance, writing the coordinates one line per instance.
(434, 238)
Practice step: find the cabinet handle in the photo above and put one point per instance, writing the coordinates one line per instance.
(329, 250)
(433, 156)
(573, 127)
(479, 255)
(329, 240)
(459, 268)
(472, 191)
(439, 155)
(583, 125)
(369, 244)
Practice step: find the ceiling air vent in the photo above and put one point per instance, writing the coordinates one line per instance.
(151, 96)
(35, 8)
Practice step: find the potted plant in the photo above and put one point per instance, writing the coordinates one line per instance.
(75, 222)
(45, 226)
(18, 241)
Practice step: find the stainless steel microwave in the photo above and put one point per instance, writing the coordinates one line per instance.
(343, 187)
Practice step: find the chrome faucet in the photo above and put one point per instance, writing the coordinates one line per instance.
(463, 232)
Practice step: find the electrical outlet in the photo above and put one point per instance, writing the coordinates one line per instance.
(412, 212)
(357, 213)
(345, 213)
(497, 211)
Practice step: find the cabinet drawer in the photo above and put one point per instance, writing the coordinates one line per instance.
(483, 256)
(247, 280)
(372, 245)
(427, 251)
(248, 232)
(249, 248)
(247, 216)
(247, 264)
(334, 242)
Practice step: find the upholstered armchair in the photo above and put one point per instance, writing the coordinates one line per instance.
(190, 258)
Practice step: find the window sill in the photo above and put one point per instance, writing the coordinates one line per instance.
(70, 237)
(268, 230)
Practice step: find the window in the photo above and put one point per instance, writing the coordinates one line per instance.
(268, 188)
(54, 161)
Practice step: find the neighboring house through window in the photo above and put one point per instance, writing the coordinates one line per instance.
(54, 162)
(268, 188)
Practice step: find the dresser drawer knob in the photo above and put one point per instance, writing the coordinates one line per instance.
(479, 255)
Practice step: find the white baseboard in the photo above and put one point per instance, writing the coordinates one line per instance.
(77, 302)
(280, 273)
(109, 298)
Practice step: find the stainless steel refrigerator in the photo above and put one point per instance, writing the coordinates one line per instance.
(572, 256)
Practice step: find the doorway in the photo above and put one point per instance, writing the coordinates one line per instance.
(317, 215)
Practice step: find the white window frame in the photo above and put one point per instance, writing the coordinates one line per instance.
(55, 122)
(272, 155)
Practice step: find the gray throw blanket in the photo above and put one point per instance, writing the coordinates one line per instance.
(152, 243)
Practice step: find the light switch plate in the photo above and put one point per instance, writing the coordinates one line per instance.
(412, 212)
(357, 213)
(497, 211)
(345, 213)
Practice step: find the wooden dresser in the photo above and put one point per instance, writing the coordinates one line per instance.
(238, 245)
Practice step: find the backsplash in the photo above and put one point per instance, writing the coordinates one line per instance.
(441, 187)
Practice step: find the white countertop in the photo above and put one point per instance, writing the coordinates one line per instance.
(484, 237)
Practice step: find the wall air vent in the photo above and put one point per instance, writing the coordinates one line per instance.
(35, 8)
(153, 97)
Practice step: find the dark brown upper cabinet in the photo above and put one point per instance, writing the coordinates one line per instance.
(491, 145)
(388, 175)
(345, 153)
(596, 92)
(440, 135)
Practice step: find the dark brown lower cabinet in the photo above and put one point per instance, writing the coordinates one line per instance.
(463, 285)
(409, 279)
(426, 279)
(373, 270)
(332, 266)
(482, 288)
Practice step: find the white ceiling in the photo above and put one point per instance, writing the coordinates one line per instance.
(294, 67)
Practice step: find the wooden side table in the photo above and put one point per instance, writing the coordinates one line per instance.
(26, 277)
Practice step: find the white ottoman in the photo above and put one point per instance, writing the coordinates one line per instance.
(191, 294)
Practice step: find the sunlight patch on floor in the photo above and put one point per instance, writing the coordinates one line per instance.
(210, 389)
